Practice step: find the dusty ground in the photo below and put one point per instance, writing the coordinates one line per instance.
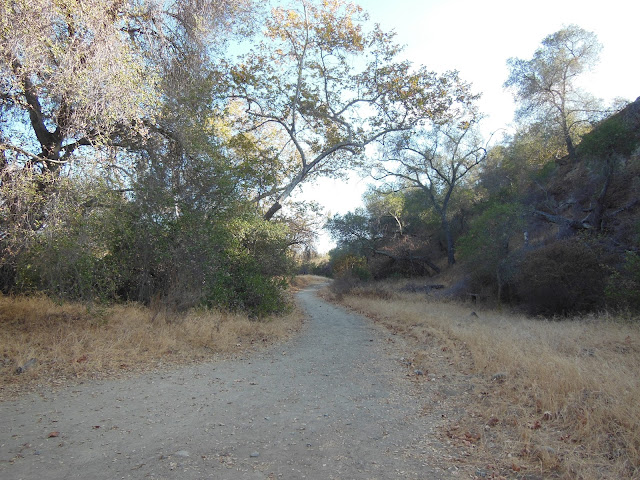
(337, 402)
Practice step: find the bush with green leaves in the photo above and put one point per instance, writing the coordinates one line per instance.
(64, 253)
(563, 278)
(130, 251)
(254, 264)
(623, 286)
(351, 265)
(612, 136)
(486, 246)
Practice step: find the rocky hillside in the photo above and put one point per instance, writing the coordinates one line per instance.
(600, 192)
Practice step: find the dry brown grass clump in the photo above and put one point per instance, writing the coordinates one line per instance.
(559, 397)
(300, 282)
(73, 340)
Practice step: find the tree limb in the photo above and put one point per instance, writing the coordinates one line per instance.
(559, 220)
(410, 258)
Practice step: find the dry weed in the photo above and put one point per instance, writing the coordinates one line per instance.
(558, 396)
(72, 341)
(300, 282)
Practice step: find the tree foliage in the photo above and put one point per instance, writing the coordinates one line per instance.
(436, 160)
(546, 84)
(87, 73)
(116, 181)
(321, 88)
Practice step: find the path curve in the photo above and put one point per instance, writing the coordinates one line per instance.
(333, 403)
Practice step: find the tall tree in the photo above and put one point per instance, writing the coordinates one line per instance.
(124, 86)
(330, 88)
(546, 84)
(82, 73)
(79, 76)
(436, 160)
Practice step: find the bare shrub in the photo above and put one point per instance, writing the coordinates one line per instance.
(344, 285)
(374, 291)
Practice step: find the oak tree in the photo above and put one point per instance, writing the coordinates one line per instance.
(330, 88)
(546, 84)
(435, 159)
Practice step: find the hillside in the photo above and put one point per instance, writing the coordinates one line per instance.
(550, 234)
(601, 191)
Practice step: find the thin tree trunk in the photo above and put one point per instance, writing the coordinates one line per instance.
(570, 147)
(451, 258)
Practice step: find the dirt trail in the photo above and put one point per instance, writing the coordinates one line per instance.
(334, 403)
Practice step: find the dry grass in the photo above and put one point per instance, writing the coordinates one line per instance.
(559, 398)
(74, 341)
(300, 282)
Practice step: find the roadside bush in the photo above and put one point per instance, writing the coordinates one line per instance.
(344, 285)
(486, 248)
(351, 265)
(561, 278)
(122, 253)
(623, 286)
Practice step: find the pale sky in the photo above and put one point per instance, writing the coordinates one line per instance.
(476, 37)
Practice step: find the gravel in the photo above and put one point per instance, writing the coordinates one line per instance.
(333, 403)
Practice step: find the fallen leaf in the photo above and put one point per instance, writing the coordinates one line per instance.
(534, 426)
(493, 422)
(53, 435)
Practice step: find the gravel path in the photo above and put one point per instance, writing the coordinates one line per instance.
(334, 403)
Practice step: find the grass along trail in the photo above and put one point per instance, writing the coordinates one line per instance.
(550, 399)
(333, 402)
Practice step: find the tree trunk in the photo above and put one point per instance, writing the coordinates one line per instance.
(272, 211)
(286, 193)
(557, 219)
(410, 258)
(451, 258)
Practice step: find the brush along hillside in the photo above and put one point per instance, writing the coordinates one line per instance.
(550, 235)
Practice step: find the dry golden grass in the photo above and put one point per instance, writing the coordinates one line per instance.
(300, 282)
(559, 397)
(74, 341)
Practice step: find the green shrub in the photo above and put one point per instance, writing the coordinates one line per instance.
(485, 248)
(352, 265)
(178, 262)
(241, 286)
(623, 286)
(562, 278)
(612, 136)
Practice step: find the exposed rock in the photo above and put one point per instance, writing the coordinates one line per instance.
(26, 366)
(499, 377)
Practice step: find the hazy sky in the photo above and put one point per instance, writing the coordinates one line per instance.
(476, 37)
